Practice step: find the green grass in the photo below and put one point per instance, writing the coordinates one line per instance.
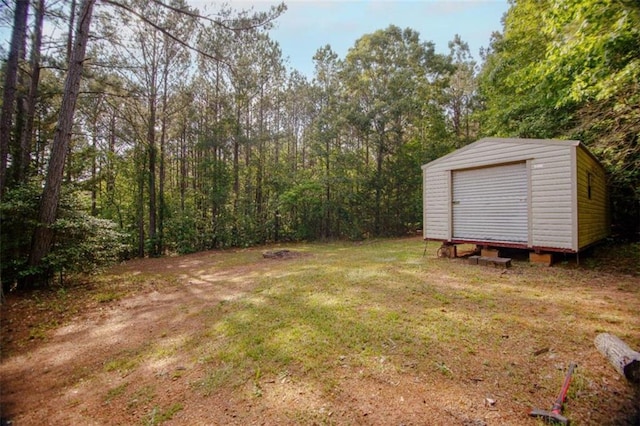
(115, 392)
(354, 305)
(108, 296)
(158, 416)
(346, 312)
(126, 362)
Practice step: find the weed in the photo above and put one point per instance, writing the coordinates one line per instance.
(123, 365)
(108, 296)
(158, 416)
(142, 396)
(214, 379)
(443, 369)
(40, 331)
(115, 392)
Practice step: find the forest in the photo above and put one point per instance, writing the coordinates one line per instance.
(145, 128)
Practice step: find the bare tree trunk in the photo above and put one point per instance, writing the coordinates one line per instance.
(110, 168)
(43, 235)
(236, 162)
(161, 174)
(153, 158)
(26, 136)
(183, 166)
(72, 17)
(10, 85)
(94, 168)
(140, 200)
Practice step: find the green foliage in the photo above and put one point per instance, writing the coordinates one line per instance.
(516, 102)
(181, 233)
(82, 243)
(304, 203)
(389, 76)
(571, 70)
(211, 154)
(159, 416)
(18, 211)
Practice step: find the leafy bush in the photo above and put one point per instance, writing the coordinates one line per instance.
(82, 243)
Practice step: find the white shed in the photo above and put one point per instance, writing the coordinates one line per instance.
(542, 195)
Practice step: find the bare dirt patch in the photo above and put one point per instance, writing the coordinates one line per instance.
(455, 344)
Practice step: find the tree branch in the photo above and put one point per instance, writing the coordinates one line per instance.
(253, 23)
(165, 31)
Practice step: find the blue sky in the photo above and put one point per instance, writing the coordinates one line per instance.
(310, 24)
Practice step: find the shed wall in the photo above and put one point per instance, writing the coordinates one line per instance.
(550, 167)
(593, 218)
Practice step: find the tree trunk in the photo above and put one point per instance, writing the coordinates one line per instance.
(140, 200)
(161, 175)
(378, 186)
(236, 162)
(72, 17)
(153, 159)
(94, 168)
(10, 85)
(153, 249)
(26, 136)
(43, 235)
(183, 166)
(625, 360)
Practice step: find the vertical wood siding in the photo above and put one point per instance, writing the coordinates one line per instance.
(552, 189)
(593, 223)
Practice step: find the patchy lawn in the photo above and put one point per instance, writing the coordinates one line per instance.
(341, 333)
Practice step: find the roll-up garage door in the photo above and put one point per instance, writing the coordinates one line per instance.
(491, 204)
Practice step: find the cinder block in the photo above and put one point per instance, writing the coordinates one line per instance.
(496, 262)
(473, 260)
(490, 252)
(541, 258)
(502, 262)
(484, 260)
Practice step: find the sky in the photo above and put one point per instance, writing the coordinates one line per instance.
(308, 25)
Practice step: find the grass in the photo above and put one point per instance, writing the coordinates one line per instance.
(360, 305)
(115, 392)
(376, 301)
(376, 312)
(158, 416)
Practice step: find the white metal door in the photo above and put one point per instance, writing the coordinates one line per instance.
(491, 204)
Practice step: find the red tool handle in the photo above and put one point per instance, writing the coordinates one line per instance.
(557, 406)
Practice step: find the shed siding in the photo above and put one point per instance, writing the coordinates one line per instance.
(550, 186)
(593, 223)
(436, 205)
(551, 201)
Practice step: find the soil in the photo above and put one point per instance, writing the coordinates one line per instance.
(73, 371)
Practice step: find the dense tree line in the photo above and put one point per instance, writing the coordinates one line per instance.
(186, 132)
(571, 69)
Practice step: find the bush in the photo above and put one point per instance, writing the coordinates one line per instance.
(82, 243)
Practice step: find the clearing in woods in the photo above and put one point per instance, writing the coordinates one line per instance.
(341, 333)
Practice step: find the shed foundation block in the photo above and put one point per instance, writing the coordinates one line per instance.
(489, 252)
(545, 259)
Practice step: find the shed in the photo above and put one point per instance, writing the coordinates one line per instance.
(541, 195)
